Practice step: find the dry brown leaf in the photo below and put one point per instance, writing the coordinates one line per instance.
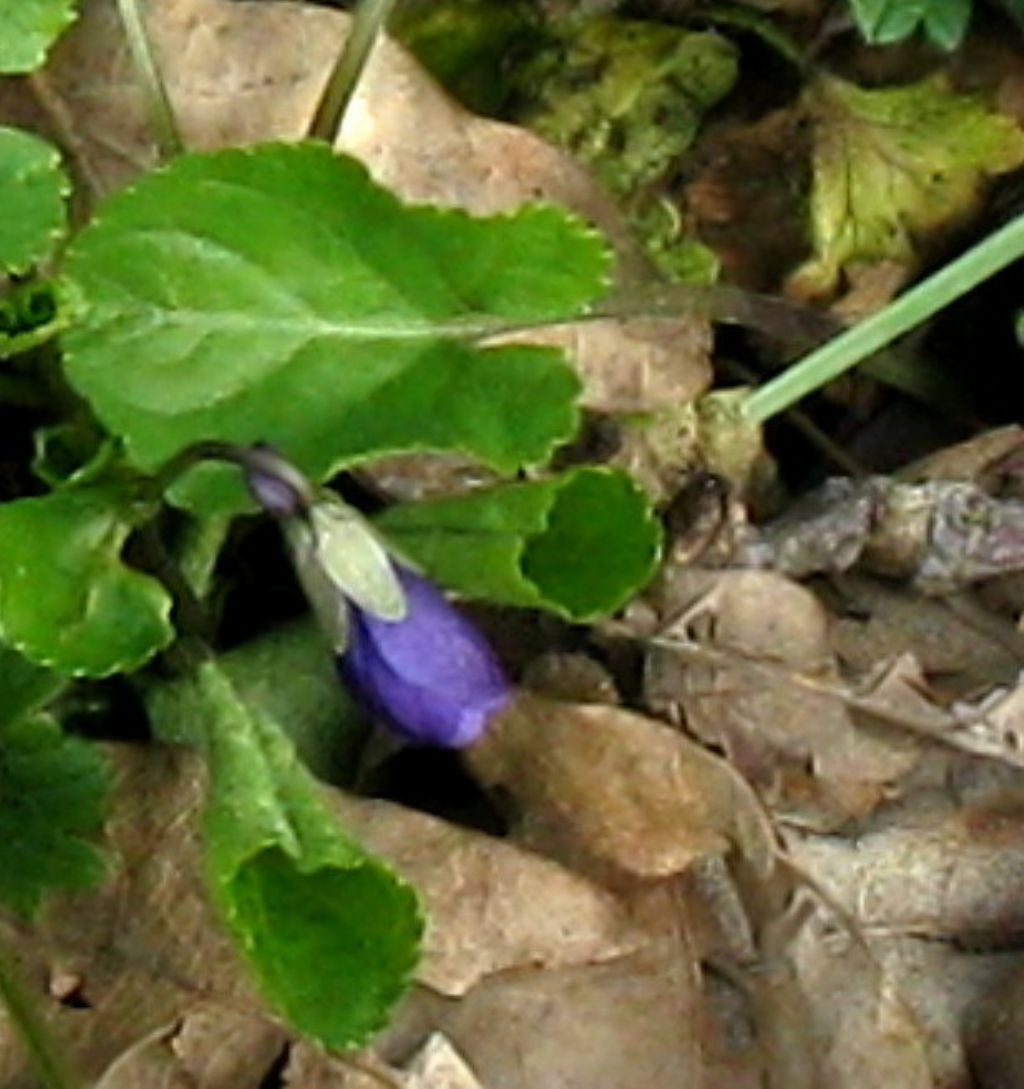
(942, 985)
(877, 621)
(746, 197)
(491, 906)
(437, 1065)
(620, 795)
(222, 1050)
(310, 1067)
(607, 789)
(800, 747)
(938, 866)
(620, 1008)
(211, 1047)
(869, 287)
(633, 1023)
(629, 1024)
(978, 460)
(993, 1033)
(148, 1064)
(575, 678)
(144, 946)
(867, 1034)
(899, 696)
(826, 1014)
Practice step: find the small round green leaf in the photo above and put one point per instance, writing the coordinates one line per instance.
(33, 188)
(277, 294)
(27, 30)
(67, 600)
(580, 544)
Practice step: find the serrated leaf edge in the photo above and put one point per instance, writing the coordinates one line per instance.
(54, 163)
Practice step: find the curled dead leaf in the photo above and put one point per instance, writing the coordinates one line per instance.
(605, 788)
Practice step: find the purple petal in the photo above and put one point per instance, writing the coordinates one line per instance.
(431, 676)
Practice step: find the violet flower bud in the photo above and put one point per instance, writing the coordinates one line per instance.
(411, 659)
(431, 676)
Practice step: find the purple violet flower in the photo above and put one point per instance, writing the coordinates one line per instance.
(431, 676)
(413, 661)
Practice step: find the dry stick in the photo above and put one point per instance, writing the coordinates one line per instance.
(367, 23)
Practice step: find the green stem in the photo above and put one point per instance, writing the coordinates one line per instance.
(179, 465)
(367, 23)
(995, 253)
(158, 103)
(43, 1051)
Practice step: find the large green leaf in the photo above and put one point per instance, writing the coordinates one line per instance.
(52, 789)
(27, 30)
(580, 544)
(67, 600)
(275, 293)
(32, 192)
(893, 164)
(331, 934)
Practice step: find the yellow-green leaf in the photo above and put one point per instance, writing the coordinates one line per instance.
(892, 165)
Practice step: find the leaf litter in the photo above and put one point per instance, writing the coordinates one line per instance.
(830, 903)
